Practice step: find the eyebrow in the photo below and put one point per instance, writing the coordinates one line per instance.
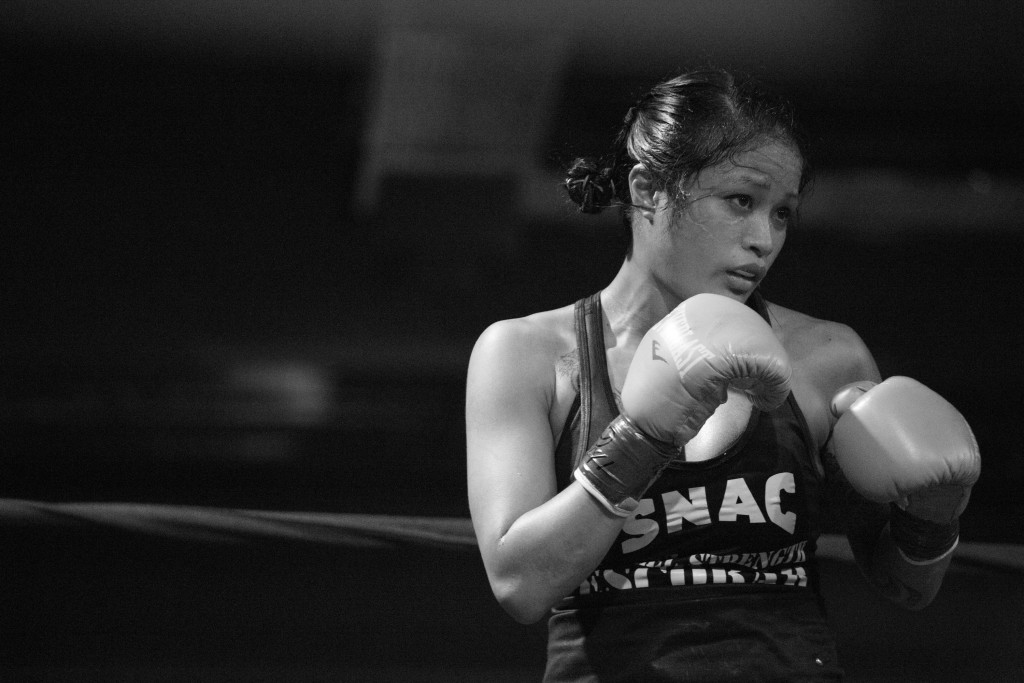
(754, 179)
(760, 181)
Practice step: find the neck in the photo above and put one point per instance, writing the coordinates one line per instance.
(634, 301)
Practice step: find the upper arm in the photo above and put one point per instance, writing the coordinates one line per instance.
(846, 360)
(863, 521)
(827, 356)
(850, 360)
(510, 449)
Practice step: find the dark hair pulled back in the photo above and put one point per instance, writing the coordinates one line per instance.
(680, 127)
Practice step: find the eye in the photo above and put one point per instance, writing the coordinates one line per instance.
(741, 201)
(784, 215)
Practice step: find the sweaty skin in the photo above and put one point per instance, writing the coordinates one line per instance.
(523, 375)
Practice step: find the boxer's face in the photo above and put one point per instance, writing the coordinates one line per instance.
(724, 234)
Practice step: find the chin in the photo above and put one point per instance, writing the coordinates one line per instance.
(735, 295)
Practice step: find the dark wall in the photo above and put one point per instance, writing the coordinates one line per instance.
(170, 216)
(169, 219)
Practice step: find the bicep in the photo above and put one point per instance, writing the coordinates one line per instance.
(856, 362)
(862, 520)
(509, 446)
(843, 358)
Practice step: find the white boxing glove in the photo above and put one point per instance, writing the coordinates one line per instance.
(900, 442)
(679, 375)
(686, 362)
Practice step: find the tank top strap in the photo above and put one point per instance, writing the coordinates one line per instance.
(597, 397)
(594, 406)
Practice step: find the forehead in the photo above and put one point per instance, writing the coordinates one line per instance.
(772, 165)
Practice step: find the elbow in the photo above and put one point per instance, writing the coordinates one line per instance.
(909, 603)
(917, 607)
(524, 605)
(914, 601)
(904, 594)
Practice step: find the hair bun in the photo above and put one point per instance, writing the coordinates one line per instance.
(589, 185)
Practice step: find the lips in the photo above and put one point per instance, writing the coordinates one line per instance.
(751, 271)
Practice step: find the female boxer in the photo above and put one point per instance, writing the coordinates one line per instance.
(646, 467)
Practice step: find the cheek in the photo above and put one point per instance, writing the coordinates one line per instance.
(699, 226)
(711, 215)
(779, 241)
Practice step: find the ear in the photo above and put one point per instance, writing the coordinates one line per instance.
(642, 192)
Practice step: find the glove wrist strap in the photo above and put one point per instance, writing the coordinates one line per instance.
(919, 539)
(622, 465)
(934, 560)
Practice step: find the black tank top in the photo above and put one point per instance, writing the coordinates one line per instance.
(713, 578)
(747, 516)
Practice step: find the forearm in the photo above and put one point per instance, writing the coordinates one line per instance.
(548, 551)
(907, 449)
(908, 579)
(907, 582)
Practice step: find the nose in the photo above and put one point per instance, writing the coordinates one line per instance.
(759, 236)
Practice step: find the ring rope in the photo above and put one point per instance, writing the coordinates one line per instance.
(227, 525)
(224, 525)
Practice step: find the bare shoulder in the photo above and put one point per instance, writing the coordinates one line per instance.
(544, 336)
(517, 393)
(831, 353)
(525, 352)
(825, 356)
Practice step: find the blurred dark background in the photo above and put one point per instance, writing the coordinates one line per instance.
(250, 245)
